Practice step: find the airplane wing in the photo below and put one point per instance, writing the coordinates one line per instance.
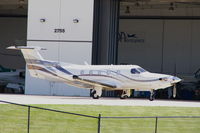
(94, 83)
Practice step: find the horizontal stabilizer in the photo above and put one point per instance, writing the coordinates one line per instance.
(26, 47)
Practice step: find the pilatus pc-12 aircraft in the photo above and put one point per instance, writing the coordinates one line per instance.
(96, 77)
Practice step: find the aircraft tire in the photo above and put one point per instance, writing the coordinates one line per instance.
(151, 99)
(123, 97)
(95, 96)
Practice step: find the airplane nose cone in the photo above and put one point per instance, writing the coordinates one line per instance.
(175, 79)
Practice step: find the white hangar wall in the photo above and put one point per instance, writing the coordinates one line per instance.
(65, 28)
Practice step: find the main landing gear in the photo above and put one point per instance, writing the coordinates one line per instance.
(96, 93)
(152, 95)
(125, 94)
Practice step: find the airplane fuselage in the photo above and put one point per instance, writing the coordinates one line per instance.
(119, 76)
(96, 77)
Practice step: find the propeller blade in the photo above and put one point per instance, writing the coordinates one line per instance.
(174, 91)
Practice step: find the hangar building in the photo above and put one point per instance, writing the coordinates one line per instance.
(159, 35)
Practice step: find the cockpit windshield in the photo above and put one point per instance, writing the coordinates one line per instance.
(137, 70)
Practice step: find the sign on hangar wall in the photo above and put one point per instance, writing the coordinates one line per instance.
(131, 37)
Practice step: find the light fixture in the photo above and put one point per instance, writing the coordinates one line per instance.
(42, 20)
(76, 20)
(137, 4)
(171, 8)
(21, 4)
(127, 9)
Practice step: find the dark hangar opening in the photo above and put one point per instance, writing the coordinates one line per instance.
(160, 36)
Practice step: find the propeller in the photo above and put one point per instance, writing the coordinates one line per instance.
(174, 86)
(174, 91)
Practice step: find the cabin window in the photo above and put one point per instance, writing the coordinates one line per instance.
(82, 72)
(103, 72)
(141, 69)
(118, 71)
(134, 71)
(108, 72)
(99, 72)
(90, 72)
(96, 72)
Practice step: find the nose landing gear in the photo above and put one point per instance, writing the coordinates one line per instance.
(125, 94)
(152, 95)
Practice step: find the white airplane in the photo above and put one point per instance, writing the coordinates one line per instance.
(96, 77)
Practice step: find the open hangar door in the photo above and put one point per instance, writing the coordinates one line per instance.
(165, 46)
(162, 36)
(13, 31)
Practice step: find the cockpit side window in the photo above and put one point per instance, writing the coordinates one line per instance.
(134, 71)
(141, 69)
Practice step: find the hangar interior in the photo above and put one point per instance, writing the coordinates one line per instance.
(13, 31)
(13, 25)
(165, 35)
(162, 36)
(159, 35)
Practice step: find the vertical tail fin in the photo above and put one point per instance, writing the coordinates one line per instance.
(32, 58)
